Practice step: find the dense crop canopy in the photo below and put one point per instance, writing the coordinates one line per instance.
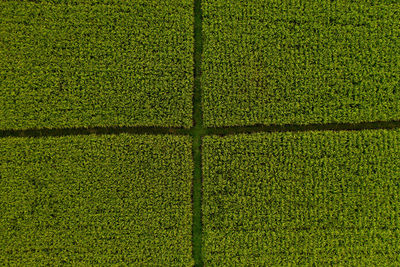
(91, 200)
(302, 199)
(95, 63)
(281, 62)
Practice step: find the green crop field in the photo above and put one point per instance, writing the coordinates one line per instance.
(91, 200)
(284, 61)
(200, 133)
(76, 63)
(302, 199)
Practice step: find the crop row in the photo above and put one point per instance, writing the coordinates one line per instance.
(96, 63)
(74, 63)
(302, 199)
(96, 200)
(268, 199)
(282, 62)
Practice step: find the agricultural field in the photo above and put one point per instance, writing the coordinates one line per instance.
(302, 62)
(78, 63)
(302, 199)
(96, 200)
(199, 133)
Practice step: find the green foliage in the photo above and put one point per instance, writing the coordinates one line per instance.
(71, 63)
(281, 62)
(302, 199)
(96, 200)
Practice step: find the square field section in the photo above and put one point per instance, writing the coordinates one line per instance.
(302, 199)
(77, 63)
(90, 200)
(300, 62)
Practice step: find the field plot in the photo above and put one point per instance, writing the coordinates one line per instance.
(309, 199)
(90, 200)
(285, 62)
(77, 63)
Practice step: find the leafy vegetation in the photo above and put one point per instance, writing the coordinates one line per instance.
(282, 62)
(315, 198)
(96, 200)
(75, 63)
(308, 199)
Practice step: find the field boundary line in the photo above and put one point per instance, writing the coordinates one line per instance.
(197, 132)
(201, 131)
(94, 130)
(231, 130)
